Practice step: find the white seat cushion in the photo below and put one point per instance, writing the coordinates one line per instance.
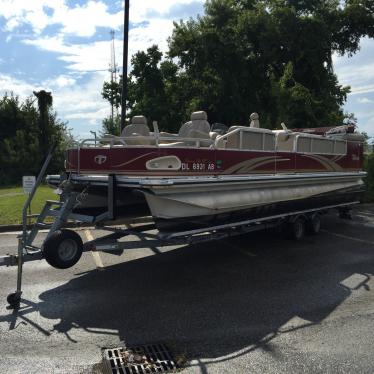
(137, 128)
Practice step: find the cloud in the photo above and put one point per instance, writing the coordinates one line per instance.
(73, 99)
(155, 32)
(60, 81)
(142, 10)
(80, 100)
(84, 20)
(362, 89)
(19, 12)
(80, 20)
(79, 57)
(359, 77)
(77, 87)
(96, 55)
(365, 100)
(357, 71)
(19, 87)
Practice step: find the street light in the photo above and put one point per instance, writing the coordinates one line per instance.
(125, 62)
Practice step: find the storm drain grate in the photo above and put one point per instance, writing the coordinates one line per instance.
(144, 359)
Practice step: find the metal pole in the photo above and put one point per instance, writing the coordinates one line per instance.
(32, 193)
(95, 135)
(125, 63)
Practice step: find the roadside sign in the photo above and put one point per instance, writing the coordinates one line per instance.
(28, 183)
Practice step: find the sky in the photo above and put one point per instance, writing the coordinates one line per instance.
(64, 46)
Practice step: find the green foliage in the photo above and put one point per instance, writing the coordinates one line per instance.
(269, 56)
(369, 180)
(112, 92)
(13, 199)
(25, 137)
(111, 126)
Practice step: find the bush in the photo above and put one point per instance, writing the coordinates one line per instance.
(22, 136)
(369, 180)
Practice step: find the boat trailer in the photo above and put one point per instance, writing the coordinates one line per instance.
(62, 248)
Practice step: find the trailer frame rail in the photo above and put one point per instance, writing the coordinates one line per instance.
(146, 238)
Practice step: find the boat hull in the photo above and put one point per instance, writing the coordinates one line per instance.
(183, 205)
(256, 212)
(194, 202)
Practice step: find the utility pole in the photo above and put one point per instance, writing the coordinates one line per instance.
(125, 63)
(113, 76)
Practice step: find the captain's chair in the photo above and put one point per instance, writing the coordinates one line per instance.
(200, 124)
(197, 128)
(137, 128)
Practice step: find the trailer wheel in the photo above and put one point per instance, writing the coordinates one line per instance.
(296, 229)
(63, 249)
(314, 224)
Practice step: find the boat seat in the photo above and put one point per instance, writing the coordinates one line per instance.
(199, 122)
(246, 138)
(183, 131)
(197, 128)
(138, 128)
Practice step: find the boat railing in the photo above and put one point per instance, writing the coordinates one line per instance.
(152, 141)
(147, 141)
(316, 144)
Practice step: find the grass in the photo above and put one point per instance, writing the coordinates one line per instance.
(368, 197)
(12, 200)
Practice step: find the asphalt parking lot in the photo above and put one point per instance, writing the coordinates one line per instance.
(252, 304)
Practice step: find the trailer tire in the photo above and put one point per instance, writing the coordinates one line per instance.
(63, 249)
(314, 224)
(296, 229)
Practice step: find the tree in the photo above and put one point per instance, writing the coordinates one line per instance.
(111, 126)
(20, 139)
(45, 102)
(153, 91)
(269, 56)
(369, 180)
(241, 52)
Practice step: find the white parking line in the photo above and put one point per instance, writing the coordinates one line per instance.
(96, 255)
(246, 253)
(242, 251)
(348, 237)
(366, 213)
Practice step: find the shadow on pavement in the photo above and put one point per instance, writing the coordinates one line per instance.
(214, 300)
